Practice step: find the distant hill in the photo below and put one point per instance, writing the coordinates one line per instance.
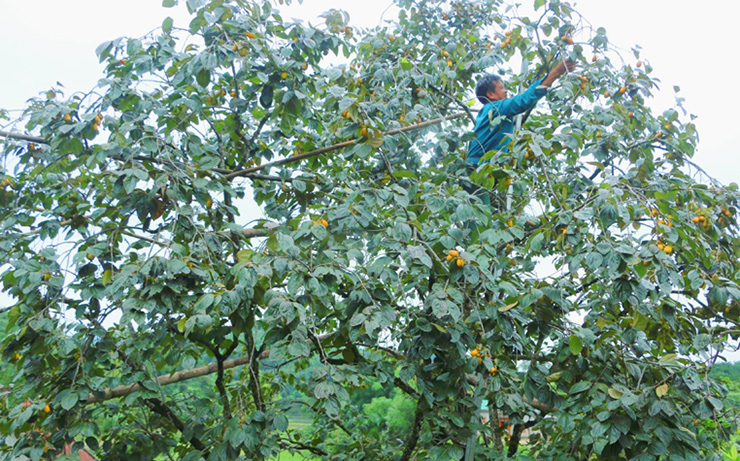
(730, 371)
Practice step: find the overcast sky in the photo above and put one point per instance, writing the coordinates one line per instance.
(690, 45)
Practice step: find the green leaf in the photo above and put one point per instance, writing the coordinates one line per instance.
(580, 387)
(169, 3)
(107, 276)
(204, 302)
(536, 243)
(608, 215)
(639, 321)
(440, 328)
(319, 231)
(167, 25)
(575, 344)
(405, 64)
(69, 400)
(280, 422)
(418, 252)
(102, 51)
(244, 256)
(203, 78)
(508, 307)
(348, 355)
(613, 393)
(266, 96)
(72, 146)
(181, 325)
(539, 4)
(299, 348)
(376, 142)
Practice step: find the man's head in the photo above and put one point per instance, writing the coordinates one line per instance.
(490, 88)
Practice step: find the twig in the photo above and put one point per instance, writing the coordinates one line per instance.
(462, 105)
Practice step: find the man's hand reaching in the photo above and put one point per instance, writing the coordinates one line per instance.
(562, 68)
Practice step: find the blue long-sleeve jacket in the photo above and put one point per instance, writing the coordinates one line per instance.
(496, 135)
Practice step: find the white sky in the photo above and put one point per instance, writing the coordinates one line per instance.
(47, 41)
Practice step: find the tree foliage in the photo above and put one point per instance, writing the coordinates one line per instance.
(595, 278)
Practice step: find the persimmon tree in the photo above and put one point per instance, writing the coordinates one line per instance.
(583, 282)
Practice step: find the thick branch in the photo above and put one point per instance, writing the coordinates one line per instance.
(414, 436)
(405, 387)
(122, 391)
(222, 389)
(252, 233)
(254, 373)
(23, 137)
(158, 407)
(341, 145)
(516, 436)
(183, 375)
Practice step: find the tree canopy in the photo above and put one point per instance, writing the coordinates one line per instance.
(584, 289)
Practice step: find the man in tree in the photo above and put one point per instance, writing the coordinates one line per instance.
(495, 123)
(356, 280)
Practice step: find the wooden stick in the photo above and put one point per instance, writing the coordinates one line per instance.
(341, 145)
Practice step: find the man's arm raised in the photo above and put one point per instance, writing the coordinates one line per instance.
(560, 69)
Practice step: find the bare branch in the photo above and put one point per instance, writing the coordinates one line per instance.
(23, 137)
(341, 145)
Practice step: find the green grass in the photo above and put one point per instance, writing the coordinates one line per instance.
(298, 456)
(298, 422)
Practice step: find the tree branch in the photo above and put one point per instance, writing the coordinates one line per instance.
(516, 436)
(323, 150)
(414, 436)
(221, 388)
(405, 387)
(183, 375)
(122, 391)
(302, 446)
(158, 407)
(462, 105)
(23, 137)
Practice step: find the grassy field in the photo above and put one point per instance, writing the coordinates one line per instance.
(286, 456)
(298, 422)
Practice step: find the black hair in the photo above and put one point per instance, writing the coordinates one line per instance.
(485, 84)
